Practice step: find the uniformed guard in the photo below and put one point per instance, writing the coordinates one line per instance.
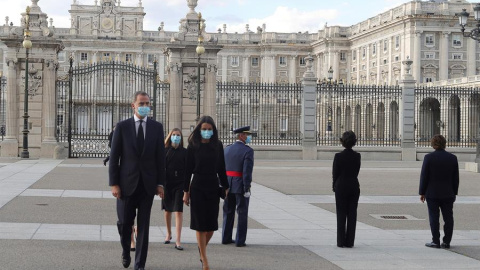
(239, 166)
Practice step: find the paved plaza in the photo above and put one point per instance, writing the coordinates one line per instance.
(60, 214)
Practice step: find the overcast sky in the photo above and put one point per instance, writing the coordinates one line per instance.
(278, 15)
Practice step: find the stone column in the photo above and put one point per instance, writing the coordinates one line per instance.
(273, 69)
(161, 67)
(49, 109)
(417, 56)
(358, 65)
(368, 64)
(390, 60)
(10, 143)
(209, 104)
(336, 66)
(224, 68)
(379, 63)
(309, 138)
(94, 57)
(319, 66)
(443, 65)
(407, 117)
(246, 69)
(471, 57)
(176, 96)
(293, 70)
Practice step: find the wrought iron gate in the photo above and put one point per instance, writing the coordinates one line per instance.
(92, 98)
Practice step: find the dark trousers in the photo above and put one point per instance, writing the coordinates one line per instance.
(232, 202)
(346, 205)
(126, 211)
(434, 207)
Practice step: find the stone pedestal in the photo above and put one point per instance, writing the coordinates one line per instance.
(9, 148)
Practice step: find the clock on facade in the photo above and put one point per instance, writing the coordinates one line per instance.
(107, 23)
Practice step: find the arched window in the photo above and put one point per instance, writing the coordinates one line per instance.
(453, 123)
(358, 121)
(369, 121)
(429, 119)
(380, 125)
(394, 121)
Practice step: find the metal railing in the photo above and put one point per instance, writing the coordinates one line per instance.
(372, 112)
(451, 111)
(273, 112)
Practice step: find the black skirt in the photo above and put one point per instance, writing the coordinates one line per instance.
(204, 203)
(173, 200)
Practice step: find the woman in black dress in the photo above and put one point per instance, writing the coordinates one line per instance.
(206, 162)
(175, 170)
(346, 166)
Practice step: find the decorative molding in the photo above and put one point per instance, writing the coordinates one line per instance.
(212, 68)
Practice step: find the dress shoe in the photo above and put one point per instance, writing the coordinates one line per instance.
(241, 245)
(178, 247)
(432, 245)
(228, 242)
(126, 260)
(445, 245)
(167, 241)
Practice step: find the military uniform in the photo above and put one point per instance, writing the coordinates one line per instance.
(239, 167)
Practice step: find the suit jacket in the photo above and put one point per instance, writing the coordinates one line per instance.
(439, 178)
(126, 165)
(239, 158)
(346, 166)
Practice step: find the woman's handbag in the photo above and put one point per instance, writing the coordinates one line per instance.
(221, 192)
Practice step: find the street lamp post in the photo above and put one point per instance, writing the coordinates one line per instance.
(475, 35)
(329, 112)
(27, 44)
(200, 50)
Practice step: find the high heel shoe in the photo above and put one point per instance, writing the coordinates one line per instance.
(168, 241)
(200, 256)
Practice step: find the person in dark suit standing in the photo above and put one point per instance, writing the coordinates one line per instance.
(439, 181)
(136, 174)
(346, 166)
(239, 166)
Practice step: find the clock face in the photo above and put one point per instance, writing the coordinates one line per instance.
(107, 23)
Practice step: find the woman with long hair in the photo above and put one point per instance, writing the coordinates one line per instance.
(206, 162)
(175, 171)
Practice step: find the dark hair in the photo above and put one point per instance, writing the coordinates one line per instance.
(348, 139)
(438, 142)
(168, 141)
(195, 138)
(139, 93)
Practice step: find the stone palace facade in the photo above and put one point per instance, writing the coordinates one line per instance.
(369, 52)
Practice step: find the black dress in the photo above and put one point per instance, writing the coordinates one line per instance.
(206, 163)
(174, 182)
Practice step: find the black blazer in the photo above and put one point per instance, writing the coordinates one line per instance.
(346, 166)
(439, 178)
(126, 165)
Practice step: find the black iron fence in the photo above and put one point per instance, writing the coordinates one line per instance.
(273, 112)
(3, 109)
(372, 112)
(451, 111)
(92, 98)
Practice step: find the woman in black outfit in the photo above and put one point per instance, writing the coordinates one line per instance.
(206, 162)
(175, 170)
(346, 166)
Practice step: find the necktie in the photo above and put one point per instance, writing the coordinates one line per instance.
(140, 138)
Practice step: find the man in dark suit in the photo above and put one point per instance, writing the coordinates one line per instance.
(439, 182)
(136, 174)
(239, 166)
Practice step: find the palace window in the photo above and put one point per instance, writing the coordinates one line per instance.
(302, 61)
(457, 40)
(83, 57)
(428, 79)
(343, 56)
(354, 55)
(150, 59)
(397, 42)
(396, 58)
(234, 61)
(61, 56)
(374, 48)
(385, 61)
(429, 40)
(106, 57)
(283, 123)
(364, 52)
(457, 56)
(254, 61)
(385, 45)
(128, 57)
(282, 60)
(429, 55)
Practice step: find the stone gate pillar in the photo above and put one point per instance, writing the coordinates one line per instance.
(42, 70)
(309, 137)
(407, 118)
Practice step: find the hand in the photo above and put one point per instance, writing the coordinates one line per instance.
(160, 192)
(422, 198)
(186, 198)
(226, 192)
(116, 192)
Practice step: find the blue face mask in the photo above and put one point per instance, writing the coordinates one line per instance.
(175, 139)
(249, 139)
(143, 111)
(206, 134)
